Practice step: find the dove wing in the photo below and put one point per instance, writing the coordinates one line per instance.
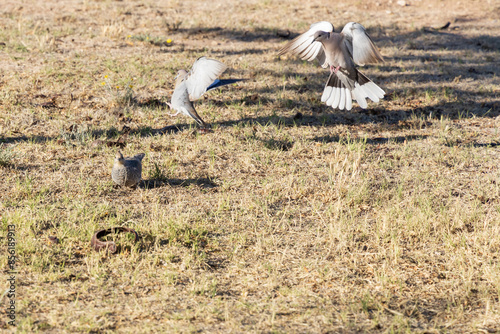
(360, 45)
(305, 47)
(203, 74)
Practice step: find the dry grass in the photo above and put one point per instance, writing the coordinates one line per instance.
(289, 216)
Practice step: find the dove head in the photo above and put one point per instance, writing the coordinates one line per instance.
(119, 158)
(181, 74)
(320, 36)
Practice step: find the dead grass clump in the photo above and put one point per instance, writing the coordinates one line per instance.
(7, 153)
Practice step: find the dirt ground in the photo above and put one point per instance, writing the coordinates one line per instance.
(289, 216)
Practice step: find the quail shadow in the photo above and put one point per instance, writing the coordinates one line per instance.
(204, 183)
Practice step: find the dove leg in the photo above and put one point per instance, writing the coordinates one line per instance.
(334, 69)
(172, 115)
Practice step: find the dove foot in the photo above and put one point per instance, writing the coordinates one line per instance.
(334, 69)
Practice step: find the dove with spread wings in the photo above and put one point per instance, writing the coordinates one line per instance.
(340, 52)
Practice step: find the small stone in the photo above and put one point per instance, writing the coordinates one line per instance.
(53, 240)
(96, 143)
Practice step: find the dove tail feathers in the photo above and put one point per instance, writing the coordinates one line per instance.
(340, 90)
(194, 115)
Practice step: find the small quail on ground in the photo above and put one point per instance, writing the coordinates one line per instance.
(127, 171)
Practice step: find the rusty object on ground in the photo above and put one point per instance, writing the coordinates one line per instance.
(98, 244)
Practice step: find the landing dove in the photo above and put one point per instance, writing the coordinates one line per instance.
(341, 52)
(191, 86)
(127, 171)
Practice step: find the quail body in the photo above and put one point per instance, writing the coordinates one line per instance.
(127, 172)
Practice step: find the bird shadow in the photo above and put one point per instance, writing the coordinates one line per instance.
(243, 35)
(369, 141)
(204, 183)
